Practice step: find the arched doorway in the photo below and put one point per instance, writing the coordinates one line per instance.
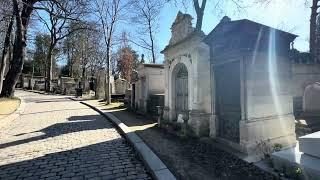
(181, 89)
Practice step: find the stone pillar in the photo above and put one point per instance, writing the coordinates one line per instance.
(199, 122)
(100, 88)
(213, 126)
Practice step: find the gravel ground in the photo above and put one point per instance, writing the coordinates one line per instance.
(190, 158)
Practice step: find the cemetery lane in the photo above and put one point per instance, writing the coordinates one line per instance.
(56, 138)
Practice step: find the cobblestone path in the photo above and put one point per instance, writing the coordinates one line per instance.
(56, 138)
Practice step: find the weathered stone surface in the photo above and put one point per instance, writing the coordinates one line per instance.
(291, 158)
(310, 144)
(311, 99)
(187, 52)
(150, 80)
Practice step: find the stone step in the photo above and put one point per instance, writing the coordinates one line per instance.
(310, 144)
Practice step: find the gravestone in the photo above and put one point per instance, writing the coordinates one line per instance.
(311, 99)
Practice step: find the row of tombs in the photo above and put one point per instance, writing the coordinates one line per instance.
(237, 83)
(68, 85)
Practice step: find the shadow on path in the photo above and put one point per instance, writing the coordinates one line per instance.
(74, 124)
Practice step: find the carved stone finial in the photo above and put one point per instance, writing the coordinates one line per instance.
(181, 27)
(225, 19)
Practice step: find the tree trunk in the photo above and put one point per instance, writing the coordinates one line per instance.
(5, 52)
(19, 47)
(199, 11)
(199, 20)
(107, 86)
(49, 69)
(313, 29)
(152, 43)
(14, 72)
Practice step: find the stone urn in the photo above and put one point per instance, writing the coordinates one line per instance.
(185, 117)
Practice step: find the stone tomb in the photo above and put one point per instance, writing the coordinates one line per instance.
(119, 86)
(305, 155)
(311, 99)
(149, 81)
(251, 78)
(187, 76)
(101, 84)
(67, 85)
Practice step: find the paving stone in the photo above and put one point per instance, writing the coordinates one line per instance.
(56, 138)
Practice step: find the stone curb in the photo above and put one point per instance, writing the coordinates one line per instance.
(157, 168)
(11, 117)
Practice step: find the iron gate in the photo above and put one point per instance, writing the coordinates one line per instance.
(182, 89)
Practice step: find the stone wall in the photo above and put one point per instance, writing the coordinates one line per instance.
(303, 75)
(26, 81)
(268, 105)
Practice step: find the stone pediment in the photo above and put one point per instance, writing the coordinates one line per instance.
(181, 28)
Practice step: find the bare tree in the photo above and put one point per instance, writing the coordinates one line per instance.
(147, 14)
(109, 13)
(60, 17)
(314, 41)
(22, 12)
(200, 5)
(200, 11)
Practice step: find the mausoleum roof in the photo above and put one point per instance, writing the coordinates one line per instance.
(154, 65)
(225, 28)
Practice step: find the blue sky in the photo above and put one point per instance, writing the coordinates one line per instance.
(288, 15)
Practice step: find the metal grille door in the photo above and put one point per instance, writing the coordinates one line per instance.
(228, 100)
(182, 89)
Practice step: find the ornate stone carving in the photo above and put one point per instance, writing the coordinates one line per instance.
(181, 28)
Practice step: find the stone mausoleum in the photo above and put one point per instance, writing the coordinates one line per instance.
(148, 85)
(187, 76)
(251, 85)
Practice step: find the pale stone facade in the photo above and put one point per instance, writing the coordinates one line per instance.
(187, 76)
(251, 85)
(150, 81)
